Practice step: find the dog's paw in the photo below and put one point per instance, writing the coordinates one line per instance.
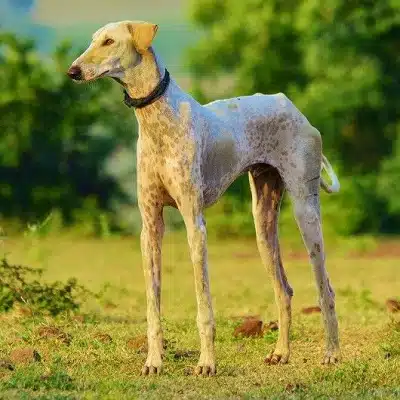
(205, 370)
(153, 366)
(151, 370)
(275, 358)
(330, 358)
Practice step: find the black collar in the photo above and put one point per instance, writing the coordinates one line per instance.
(158, 91)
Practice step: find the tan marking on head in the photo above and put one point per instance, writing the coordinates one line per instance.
(142, 34)
(115, 48)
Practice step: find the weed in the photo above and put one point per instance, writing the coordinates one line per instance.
(32, 377)
(21, 285)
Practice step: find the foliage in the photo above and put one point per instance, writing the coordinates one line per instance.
(58, 138)
(338, 61)
(69, 150)
(23, 285)
(389, 178)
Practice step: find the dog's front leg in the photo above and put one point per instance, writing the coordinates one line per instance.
(197, 237)
(150, 240)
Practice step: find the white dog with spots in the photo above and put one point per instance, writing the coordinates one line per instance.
(187, 156)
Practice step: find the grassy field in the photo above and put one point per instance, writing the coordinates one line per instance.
(98, 354)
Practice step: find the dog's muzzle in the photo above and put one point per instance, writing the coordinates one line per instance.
(75, 73)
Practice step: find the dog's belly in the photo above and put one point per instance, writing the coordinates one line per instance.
(241, 132)
(221, 165)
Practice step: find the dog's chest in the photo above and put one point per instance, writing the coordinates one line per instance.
(166, 155)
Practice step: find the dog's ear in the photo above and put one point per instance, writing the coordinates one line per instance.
(142, 34)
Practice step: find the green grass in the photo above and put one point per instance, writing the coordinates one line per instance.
(88, 368)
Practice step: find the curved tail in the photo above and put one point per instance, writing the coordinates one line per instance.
(335, 187)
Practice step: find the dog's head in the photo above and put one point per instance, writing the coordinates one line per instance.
(115, 48)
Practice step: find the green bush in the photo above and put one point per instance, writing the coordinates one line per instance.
(20, 285)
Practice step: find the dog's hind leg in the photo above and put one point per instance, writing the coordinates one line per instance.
(267, 190)
(303, 185)
(307, 212)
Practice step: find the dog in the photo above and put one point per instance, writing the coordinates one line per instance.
(188, 154)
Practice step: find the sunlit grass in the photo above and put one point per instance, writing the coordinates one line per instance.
(89, 368)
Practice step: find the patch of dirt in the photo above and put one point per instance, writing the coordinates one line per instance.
(139, 343)
(25, 356)
(254, 327)
(52, 332)
(311, 310)
(393, 306)
(384, 249)
(251, 327)
(103, 337)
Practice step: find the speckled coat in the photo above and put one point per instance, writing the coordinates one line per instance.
(187, 156)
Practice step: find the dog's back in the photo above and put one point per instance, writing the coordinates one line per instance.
(245, 108)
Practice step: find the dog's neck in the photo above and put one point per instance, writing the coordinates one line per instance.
(142, 79)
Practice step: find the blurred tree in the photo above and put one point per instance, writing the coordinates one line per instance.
(338, 60)
(56, 136)
(351, 57)
(253, 41)
(389, 179)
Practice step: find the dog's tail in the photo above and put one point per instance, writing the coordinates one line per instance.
(335, 187)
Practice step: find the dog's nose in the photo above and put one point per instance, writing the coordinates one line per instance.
(75, 73)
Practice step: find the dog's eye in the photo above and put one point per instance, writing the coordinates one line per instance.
(107, 42)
